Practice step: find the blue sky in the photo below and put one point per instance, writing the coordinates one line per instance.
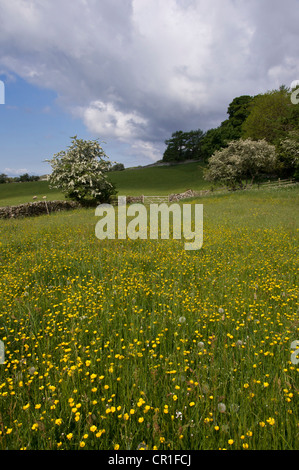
(33, 128)
(132, 72)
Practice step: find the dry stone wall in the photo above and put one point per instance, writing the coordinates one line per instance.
(36, 208)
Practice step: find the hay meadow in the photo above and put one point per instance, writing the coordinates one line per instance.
(139, 344)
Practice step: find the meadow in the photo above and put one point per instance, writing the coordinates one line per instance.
(139, 344)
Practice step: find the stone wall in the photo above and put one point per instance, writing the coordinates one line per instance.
(36, 208)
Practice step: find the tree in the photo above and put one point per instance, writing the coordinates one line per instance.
(183, 146)
(272, 116)
(80, 172)
(288, 155)
(229, 130)
(238, 110)
(241, 160)
(117, 167)
(3, 178)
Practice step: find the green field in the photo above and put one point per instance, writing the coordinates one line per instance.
(148, 181)
(129, 344)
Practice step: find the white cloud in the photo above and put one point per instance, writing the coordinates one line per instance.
(104, 119)
(136, 71)
(15, 172)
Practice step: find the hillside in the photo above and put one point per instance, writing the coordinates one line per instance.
(148, 181)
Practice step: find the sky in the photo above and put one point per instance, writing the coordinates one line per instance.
(132, 72)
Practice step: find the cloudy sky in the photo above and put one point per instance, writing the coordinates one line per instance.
(131, 72)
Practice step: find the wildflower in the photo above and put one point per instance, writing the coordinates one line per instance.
(271, 421)
(230, 442)
(142, 446)
(69, 436)
(140, 420)
(34, 427)
(221, 407)
(58, 421)
(82, 444)
(116, 447)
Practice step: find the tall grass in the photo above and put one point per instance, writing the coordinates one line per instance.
(125, 344)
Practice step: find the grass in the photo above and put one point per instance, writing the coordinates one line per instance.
(148, 181)
(160, 181)
(125, 344)
(12, 194)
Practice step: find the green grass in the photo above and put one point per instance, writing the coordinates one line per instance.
(12, 194)
(120, 343)
(160, 180)
(148, 181)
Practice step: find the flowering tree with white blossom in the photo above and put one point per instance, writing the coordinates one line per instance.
(81, 171)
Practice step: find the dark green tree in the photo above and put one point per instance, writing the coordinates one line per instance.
(183, 146)
(3, 178)
(230, 129)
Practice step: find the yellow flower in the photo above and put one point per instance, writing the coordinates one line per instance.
(245, 445)
(58, 421)
(69, 436)
(271, 421)
(82, 444)
(116, 447)
(93, 428)
(140, 420)
(191, 403)
(230, 441)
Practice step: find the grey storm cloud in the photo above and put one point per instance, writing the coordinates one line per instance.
(135, 71)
